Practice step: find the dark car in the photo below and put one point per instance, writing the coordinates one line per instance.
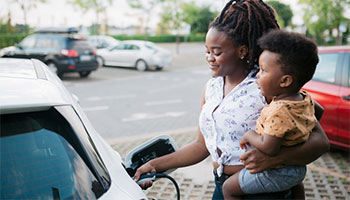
(330, 86)
(60, 48)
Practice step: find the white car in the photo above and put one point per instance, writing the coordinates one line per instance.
(102, 41)
(49, 149)
(135, 53)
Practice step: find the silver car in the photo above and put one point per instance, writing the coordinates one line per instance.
(141, 55)
(48, 148)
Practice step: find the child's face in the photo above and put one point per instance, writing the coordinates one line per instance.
(270, 74)
(221, 53)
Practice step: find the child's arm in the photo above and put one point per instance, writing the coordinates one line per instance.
(267, 144)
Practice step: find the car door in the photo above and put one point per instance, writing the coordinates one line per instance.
(23, 48)
(328, 86)
(116, 56)
(44, 45)
(133, 54)
(344, 103)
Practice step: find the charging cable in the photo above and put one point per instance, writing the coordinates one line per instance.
(153, 176)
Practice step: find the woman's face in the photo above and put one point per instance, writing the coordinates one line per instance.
(221, 53)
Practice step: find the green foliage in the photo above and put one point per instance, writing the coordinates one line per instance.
(10, 39)
(164, 38)
(198, 17)
(98, 6)
(177, 13)
(25, 6)
(284, 13)
(171, 17)
(323, 16)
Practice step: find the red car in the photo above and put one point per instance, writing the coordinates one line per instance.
(330, 87)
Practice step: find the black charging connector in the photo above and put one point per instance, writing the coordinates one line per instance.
(154, 148)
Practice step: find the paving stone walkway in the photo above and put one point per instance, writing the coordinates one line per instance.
(326, 178)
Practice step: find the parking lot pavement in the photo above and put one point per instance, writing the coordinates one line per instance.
(326, 178)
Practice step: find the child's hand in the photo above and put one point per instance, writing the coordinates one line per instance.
(244, 144)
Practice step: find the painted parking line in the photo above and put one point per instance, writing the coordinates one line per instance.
(99, 98)
(146, 116)
(97, 108)
(164, 102)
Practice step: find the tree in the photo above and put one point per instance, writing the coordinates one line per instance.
(324, 15)
(147, 7)
(284, 13)
(98, 6)
(27, 5)
(198, 17)
(171, 18)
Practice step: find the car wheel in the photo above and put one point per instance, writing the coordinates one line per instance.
(159, 68)
(141, 65)
(100, 61)
(84, 74)
(53, 68)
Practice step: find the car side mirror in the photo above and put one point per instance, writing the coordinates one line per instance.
(154, 148)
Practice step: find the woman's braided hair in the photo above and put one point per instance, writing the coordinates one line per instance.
(245, 21)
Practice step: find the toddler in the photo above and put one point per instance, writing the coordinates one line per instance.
(287, 62)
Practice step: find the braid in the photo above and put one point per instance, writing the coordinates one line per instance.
(245, 21)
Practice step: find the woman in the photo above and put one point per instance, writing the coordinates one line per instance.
(231, 101)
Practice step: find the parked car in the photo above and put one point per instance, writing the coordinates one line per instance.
(135, 53)
(102, 41)
(60, 48)
(48, 148)
(330, 86)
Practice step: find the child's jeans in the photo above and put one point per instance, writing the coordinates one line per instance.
(272, 180)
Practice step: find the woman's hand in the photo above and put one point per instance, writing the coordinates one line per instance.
(256, 161)
(145, 168)
(244, 144)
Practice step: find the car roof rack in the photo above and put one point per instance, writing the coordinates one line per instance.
(69, 30)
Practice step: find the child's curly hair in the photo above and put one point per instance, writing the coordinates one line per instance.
(298, 54)
(245, 21)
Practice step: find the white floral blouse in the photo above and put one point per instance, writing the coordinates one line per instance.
(223, 121)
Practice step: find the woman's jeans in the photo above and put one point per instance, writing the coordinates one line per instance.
(218, 195)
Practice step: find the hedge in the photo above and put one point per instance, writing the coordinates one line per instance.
(11, 39)
(200, 37)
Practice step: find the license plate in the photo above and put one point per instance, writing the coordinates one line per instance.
(85, 57)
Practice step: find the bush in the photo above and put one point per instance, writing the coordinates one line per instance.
(10, 39)
(164, 38)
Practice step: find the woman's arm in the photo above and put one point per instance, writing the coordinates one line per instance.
(188, 155)
(302, 154)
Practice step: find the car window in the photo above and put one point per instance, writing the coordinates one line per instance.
(48, 42)
(28, 42)
(41, 158)
(326, 68)
(120, 47)
(149, 47)
(79, 44)
(133, 47)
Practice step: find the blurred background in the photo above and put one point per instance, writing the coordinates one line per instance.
(326, 21)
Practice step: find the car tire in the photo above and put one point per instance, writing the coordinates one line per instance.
(100, 61)
(53, 68)
(141, 65)
(84, 74)
(159, 68)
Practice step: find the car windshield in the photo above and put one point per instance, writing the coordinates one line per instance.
(42, 158)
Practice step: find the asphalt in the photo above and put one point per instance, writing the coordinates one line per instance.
(327, 178)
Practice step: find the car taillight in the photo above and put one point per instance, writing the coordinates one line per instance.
(95, 52)
(69, 53)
